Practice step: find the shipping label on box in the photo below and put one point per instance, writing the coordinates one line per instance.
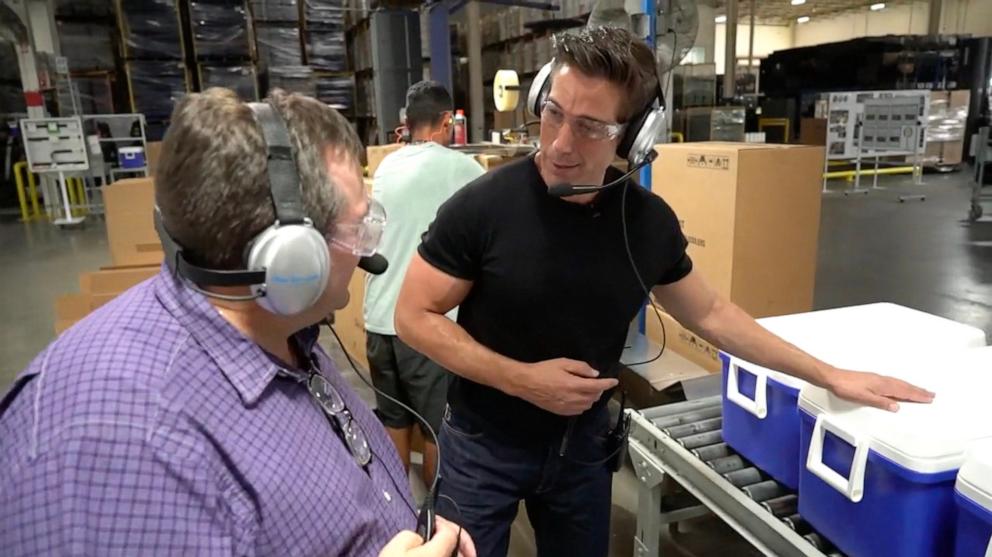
(684, 342)
(708, 161)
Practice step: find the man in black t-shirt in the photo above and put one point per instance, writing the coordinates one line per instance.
(546, 293)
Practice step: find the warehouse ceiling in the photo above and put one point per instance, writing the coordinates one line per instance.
(781, 12)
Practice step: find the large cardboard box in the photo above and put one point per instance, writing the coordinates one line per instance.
(130, 226)
(69, 309)
(349, 322)
(680, 340)
(96, 289)
(375, 153)
(751, 214)
(110, 282)
(813, 131)
(153, 150)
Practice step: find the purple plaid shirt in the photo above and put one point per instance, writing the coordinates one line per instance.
(154, 427)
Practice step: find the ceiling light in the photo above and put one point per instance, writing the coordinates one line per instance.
(803, 19)
(877, 7)
(798, 2)
(720, 19)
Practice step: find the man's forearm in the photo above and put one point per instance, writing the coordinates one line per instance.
(447, 343)
(732, 330)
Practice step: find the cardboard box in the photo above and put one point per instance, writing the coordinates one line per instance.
(349, 322)
(959, 99)
(813, 131)
(375, 154)
(130, 227)
(72, 307)
(114, 281)
(751, 214)
(153, 150)
(952, 152)
(490, 162)
(682, 341)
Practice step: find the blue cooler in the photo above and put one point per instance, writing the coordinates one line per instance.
(132, 158)
(881, 484)
(760, 418)
(973, 493)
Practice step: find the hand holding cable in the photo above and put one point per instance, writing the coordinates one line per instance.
(562, 386)
(449, 540)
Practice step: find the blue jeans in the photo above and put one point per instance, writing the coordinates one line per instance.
(487, 474)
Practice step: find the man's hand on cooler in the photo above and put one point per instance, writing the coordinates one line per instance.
(874, 390)
(447, 536)
(562, 386)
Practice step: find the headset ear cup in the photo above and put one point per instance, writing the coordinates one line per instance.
(539, 89)
(630, 135)
(297, 266)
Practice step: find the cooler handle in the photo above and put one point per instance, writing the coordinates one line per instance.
(854, 486)
(758, 406)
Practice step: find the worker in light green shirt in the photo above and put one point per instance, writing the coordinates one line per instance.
(411, 184)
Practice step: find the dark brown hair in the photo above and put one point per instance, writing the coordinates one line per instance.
(211, 182)
(616, 55)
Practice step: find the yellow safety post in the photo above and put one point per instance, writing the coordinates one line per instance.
(21, 196)
(678, 137)
(80, 185)
(20, 169)
(33, 194)
(72, 194)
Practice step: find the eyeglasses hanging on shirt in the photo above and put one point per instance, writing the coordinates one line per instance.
(329, 400)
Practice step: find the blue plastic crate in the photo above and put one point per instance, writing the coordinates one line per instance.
(131, 157)
(881, 484)
(760, 420)
(973, 494)
(760, 416)
(897, 513)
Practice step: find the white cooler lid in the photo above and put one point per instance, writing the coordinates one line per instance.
(131, 150)
(926, 438)
(975, 477)
(867, 337)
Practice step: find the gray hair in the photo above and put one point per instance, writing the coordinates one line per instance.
(211, 182)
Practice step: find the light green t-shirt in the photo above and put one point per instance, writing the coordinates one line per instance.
(411, 184)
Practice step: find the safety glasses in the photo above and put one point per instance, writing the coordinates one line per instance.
(586, 128)
(361, 239)
(332, 404)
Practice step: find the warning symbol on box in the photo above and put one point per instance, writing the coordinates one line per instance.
(712, 162)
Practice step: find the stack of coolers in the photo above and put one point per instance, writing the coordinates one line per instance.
(873, 482)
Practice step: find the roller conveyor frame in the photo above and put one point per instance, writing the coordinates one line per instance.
(655, 455)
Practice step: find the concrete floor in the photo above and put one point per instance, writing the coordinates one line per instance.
(874, 248)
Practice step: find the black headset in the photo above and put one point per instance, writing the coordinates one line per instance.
(641, 132)
(288, 264)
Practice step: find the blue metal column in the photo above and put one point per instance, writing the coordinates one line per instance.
(650, 8)
(440, 44)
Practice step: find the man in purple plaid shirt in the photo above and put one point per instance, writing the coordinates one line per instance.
(173, 423)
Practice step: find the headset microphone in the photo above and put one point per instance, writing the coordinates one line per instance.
(374, 264)
(567, 190)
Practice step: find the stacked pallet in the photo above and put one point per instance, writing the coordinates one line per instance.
(223, 46)
(154, 54)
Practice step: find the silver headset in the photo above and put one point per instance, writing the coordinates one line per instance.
(641, 133)
(288, 264)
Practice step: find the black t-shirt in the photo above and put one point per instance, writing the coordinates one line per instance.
(551, 279)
